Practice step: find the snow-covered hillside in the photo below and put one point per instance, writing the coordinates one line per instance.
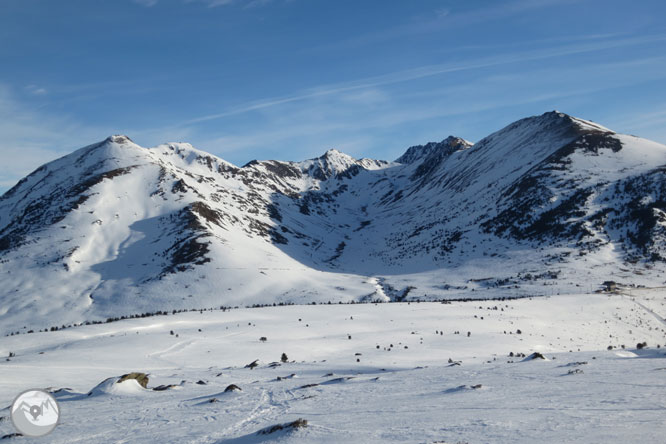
(549, 204)
(363, 373)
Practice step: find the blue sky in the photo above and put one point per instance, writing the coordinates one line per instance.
(288, 79)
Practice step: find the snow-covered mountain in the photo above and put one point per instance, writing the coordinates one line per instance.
(550, 203)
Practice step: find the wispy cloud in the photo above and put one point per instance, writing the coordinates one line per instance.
(146, 3)
(383, 121)
(490, 11)
(31, 138)
(214, 3)
(650, 118)
(243, 3)
(257, 3)
(211, 3)
(374, 117)
(432, 70)
(36, 90)
(650, 123)
(448, 18)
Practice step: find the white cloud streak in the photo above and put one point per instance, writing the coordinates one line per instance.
(244, 3)
(31, 138)
(36, 90)
(211, 3)
(376, 116)
(429, 71)
(146, 3)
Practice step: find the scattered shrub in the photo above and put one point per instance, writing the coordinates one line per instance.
(253, 364)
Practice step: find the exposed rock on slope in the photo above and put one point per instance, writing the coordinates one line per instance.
(549, 203)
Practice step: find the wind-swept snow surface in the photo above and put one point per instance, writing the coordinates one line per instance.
(550, 204)
(362, 373)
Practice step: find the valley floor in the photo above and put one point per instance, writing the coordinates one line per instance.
(362, 373)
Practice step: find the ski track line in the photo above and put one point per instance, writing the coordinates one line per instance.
(264, 409)
(159, 355)
(649, 310)
(644, 307)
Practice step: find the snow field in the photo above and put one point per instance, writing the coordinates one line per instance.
(407, 392)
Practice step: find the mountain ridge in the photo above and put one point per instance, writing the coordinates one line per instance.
(117, 228)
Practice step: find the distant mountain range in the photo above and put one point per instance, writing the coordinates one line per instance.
(548, 204)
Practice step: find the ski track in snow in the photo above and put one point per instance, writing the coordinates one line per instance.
(649, 310)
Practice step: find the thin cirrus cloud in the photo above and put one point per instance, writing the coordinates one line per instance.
(345, 119)
(654, 119)
(36, 90)
(432, 70)
(211, 3)
(147, 3)
(398, 114)
(29, 137)
(444, 17)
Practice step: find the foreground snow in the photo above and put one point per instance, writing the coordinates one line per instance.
(382, 373)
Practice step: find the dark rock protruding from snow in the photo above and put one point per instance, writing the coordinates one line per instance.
(141, 378)
(298, 424)
(533, 356)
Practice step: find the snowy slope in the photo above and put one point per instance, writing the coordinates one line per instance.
(549, 204)
(362, 373)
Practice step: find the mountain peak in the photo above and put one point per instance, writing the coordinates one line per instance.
(576, 123)
(447, 146)
(329, 164)
(555, 113)
(120, 139)
(335, 154)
